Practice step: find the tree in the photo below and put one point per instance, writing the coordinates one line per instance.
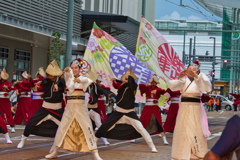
(56, 48)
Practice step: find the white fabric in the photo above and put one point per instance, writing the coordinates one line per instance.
(76, 109)
(149, 102)
(37, 95)
(49, 117)
(3, 96)
(138, 126)
(119, 109)
(95, 117)
(175, 100)
(187, 136)
(204, 122)
(13, 94)
(25, 94)
(54, 106)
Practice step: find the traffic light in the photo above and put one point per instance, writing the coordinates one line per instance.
(225, 63)
(213, 73)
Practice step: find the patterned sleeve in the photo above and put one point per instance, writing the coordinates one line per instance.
(203, 83)
(86, 82)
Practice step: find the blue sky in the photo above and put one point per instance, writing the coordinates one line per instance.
(166, 10)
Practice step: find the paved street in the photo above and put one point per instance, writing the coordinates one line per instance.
(37, 147)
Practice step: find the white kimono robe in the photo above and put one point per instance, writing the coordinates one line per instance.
(188, 137)
(75, 131)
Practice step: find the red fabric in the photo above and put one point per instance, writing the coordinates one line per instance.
(147, 113)
(53, 112)
(34, 106)
(39, 88)
(3, 124)
(172, 112)
(5, 83)
(171, 117)
(102, 110)
(5, 110)
(116, 85)
(23, 110)
(236, 103)
(205, 98)
(24, 86)
(147, 90)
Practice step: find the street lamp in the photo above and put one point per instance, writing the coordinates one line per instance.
(213, 64)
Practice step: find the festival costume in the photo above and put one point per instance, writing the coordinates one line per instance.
(188, 136)
(124, 123)
(5, 105)
(4, 130)
(236, 100)
(37, 97)
(173, 111)
(46, 119)
(101, 105)
(23, 109)
(75, 131)
(151, 115)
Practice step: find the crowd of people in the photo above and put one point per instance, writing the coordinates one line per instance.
(68, 106)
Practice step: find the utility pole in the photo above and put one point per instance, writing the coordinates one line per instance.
(190, 50)
(184, 55)
(194, 49)
(69, 33)
(214, 61)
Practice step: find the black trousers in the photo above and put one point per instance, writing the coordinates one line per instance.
(2, 131)
(47, 128)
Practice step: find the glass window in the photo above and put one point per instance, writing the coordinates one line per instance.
(3, 57)
(21, 62)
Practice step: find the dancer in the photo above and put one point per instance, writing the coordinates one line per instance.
(23, 87)
(37, 98)
(4, 130)
(124, 123)
(173, 111)
(188, 137)
(236, 100)
(5, 105)
(151, 115)
(46, 119)
(75, 131)
(101, 100)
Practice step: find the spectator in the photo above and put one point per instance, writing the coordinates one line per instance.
(212, 105)
(218, 104)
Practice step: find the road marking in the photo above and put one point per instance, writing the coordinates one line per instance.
(214, 135)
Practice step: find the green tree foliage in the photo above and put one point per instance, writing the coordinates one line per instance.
(55, 50)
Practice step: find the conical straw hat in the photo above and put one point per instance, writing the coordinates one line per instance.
(89, 74)
(129, 72)
(154, 78)
(99, 78)
(25, 75)
(53, 69)
(4, 74)
(41, 72)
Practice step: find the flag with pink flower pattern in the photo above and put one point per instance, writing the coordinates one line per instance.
(109, 58)
(156, 53)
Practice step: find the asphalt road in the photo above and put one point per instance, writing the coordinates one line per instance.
(37, 147)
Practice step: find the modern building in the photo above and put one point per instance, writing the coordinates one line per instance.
(230, 12)
(204, 32)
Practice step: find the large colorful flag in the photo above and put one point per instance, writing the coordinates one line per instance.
(109, 58)
(156, 53)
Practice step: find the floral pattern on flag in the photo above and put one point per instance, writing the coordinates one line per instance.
(156, 53)
(109, 58)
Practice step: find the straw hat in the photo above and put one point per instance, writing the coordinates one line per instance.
(99, 78)
(129, 72)
(89, 74)
(154, 78)
(41, 72)
(25, 75)
(4, 74)
(53, 69)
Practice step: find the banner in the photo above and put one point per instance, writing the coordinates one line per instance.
(108, 57)
(156, 53)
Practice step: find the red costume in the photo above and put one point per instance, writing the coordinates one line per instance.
(3, 127)
(151, 115)
(173, 110)
(5, 105)
(101, 105)
(236, 100)
(23, 108)
(37, 98)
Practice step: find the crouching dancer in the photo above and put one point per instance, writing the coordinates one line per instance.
(46, 119)
(124, 123)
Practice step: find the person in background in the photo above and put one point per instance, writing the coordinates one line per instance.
(212, 104)
(209, 105)
(217, 104)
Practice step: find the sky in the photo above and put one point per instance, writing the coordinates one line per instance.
(165, 9)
